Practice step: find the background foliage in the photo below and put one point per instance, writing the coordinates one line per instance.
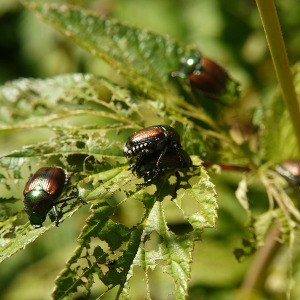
(232, 35)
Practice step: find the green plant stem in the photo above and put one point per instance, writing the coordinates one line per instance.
(255, 276)
(268, 14)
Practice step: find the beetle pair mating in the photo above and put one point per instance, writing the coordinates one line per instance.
(157, 151)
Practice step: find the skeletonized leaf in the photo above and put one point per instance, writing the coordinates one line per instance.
(122, 216)
(146, 59)
(128, 247)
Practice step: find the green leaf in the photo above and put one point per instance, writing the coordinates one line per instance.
(263, 224)
(173, 250)
(28, 102)
(127, 247)
(287, 214)
(278, 141)
(32, 104)
(20, 236)
(91, 119)
(144, 58)
(137, 54)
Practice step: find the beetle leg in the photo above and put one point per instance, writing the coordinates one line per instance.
(69, 198)
(54, 208)
(55, 214)
(160, 156)
(133, 167)
(138, 162)
(154, 176)
(68, 178)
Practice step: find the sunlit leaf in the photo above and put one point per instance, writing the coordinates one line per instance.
(277, 134)
(127, 247)
(90, 119)
(144, 58)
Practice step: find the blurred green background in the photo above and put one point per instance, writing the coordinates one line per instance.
(230, 33)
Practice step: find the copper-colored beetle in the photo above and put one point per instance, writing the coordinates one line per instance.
(42, 191)
(290, 170)
(153, 139)
(203, 73)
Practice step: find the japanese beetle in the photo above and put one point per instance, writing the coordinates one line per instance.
(153, 139)
(171, 162)
(41, 192)
(204, 74)
(290, 171)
